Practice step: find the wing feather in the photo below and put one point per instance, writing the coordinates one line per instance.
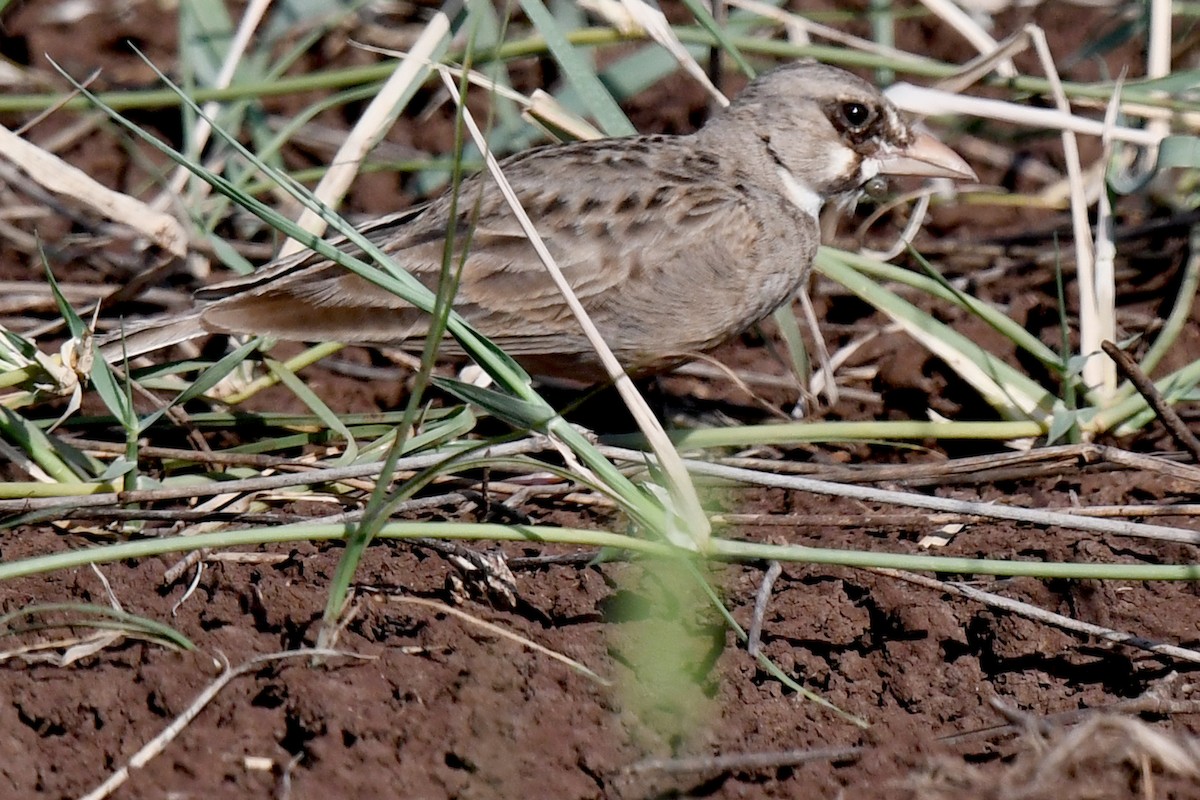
(653, 237)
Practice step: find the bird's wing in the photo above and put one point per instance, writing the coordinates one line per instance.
(649, 202)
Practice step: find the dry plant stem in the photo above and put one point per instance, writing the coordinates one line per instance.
(1184, 510)
(968, 470)
(580, 560)
(1159, 466)
(20, 241)
(1096, 322)
(1175, 426)
(372, 126)
(796, 522)
(754, 635)
(958, 19)
(1061, 755)
(981, 469)
(235, 557)
(473, 558)
(175, 413)
(159, 743)
(237, 49)
(27, 296)
(917, 521)
(984, 64)
(1188, 120)
(767, 760)
(223, 502)
(725, 372)
(1042, 615)
(55, 107)
(43, 204)
(823, 378)
(920, 99)
(258, 461)
(683, 493)
(442, 608)
(61, 502)
(798, 23)
(776, 759)
(893, 203)
(538, 107)
(708, 371)
(1034, 516)
(39, 651)
(973, 470)
(186, 515)
(60, 177)
(189, 591)
(1154, 700)
(532, 444)
(1105, 254)
(1158, 55)
(637, 15)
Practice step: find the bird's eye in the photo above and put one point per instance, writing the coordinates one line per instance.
(856, 115)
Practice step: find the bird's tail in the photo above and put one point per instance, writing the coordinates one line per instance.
(154, 334)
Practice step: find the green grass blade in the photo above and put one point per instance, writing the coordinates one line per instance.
(578, 72)
(704, 16)
(1010, 392)
(317, 405)
(90, 615)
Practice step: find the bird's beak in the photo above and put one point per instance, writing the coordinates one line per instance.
(924, 157)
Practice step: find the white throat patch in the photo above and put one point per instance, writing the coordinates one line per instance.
(802, 196)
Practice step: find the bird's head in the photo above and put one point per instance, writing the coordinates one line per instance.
(825, 133)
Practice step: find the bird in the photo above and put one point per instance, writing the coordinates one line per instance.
(674, 244)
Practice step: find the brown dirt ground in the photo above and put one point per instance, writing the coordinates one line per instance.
(440, 707)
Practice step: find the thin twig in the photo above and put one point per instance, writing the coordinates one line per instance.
(754, 636)
(1042, 615)
(156, 745)
(1035, 516)
(1155, 700)
(530, 444)
(1175, 426)
(442, 608)
(746, 761)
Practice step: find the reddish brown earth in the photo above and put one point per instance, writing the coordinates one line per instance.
(429, 704)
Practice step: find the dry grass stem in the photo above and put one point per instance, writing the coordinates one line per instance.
(936, 102)
(1169, 417)
(754, 634)
(251, 19)
(155, 746)
(492, 628)
(62, 178)
(912, 500)
(372, 126)
(321, 475)
(1043, 461)
(739, 762)
(961, 22)
(686, 504)
(636, 16)
(1042, 615)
